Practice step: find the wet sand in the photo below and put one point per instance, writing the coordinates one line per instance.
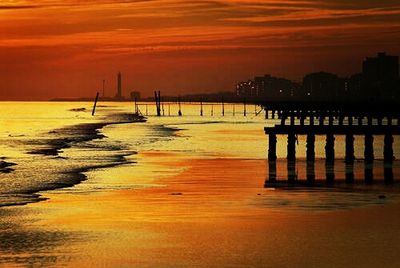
(205, 215)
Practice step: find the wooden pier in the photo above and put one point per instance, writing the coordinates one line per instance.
(332, 119)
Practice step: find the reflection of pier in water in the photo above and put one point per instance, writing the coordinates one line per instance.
(347, 119)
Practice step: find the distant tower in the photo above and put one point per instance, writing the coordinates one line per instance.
(119, 87)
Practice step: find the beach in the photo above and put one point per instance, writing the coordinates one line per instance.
(189, 193)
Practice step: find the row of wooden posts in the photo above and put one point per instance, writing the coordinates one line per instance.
(160, 111)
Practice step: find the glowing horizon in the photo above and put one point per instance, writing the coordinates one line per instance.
(56, 48)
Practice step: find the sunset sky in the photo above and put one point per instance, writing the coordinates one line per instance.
(51, 48)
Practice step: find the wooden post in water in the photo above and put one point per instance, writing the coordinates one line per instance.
(349, 157)
(201, 108)
(291, 147)
(379, 121)
(369, 120)
(360, 118)
(310, 145)
(212, 109)
(369, 147)
(244, 107)
(341, 118)
(388, 158)
(349, 148)
(136, 107)
(302, 118)
(292, 119)
(330, 158)
(330, 120)
(389, 120)
(368, 158)
(157, 99)
(233, 109)
(272, 147)
(272, 171)
(223, 107)
(291, 157)
(321, 120)
(95, 103)
(350, 120)
(179, 103)
(147, 110)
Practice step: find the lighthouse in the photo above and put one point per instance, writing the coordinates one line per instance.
(119, 86)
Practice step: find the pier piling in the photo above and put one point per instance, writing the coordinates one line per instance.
(291, 147)
(272, 147)
(349, 152)
(310, 146)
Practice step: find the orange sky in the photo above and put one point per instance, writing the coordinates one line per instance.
(51, 48)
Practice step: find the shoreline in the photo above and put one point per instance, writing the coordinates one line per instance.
(53, 146)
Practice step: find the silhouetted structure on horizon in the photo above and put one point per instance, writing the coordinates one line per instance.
(378, 81)
(118, 96)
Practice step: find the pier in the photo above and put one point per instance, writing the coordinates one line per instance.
(330, 120)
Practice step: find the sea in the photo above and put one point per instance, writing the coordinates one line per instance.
(59, 146)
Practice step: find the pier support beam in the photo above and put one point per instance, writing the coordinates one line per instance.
(330, 148)
(388, 158)
(291, 147)
(291, 171)
(360, 118)
(302, 118)
(350, 120)
(369, 147)
(311, 120)
(310, 158)
(272, 171)
(310, 172)
(330, 120)
(292, 120)
(321, 120)
(272, 147)
(369, 171)
(291, 157)
(349, 148)
(349, 158)
(388, 148)
(341, 118)
(310, 146)
(349, 172)
(369, 158)
(330, 158)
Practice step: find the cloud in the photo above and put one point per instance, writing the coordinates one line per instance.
(4, 7)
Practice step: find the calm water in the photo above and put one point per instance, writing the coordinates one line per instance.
(54, 144)
(156, 193)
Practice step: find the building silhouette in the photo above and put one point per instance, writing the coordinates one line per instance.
(323, 86)
(378, 81)
(380, 76)
(266, 86)
(118, 96)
